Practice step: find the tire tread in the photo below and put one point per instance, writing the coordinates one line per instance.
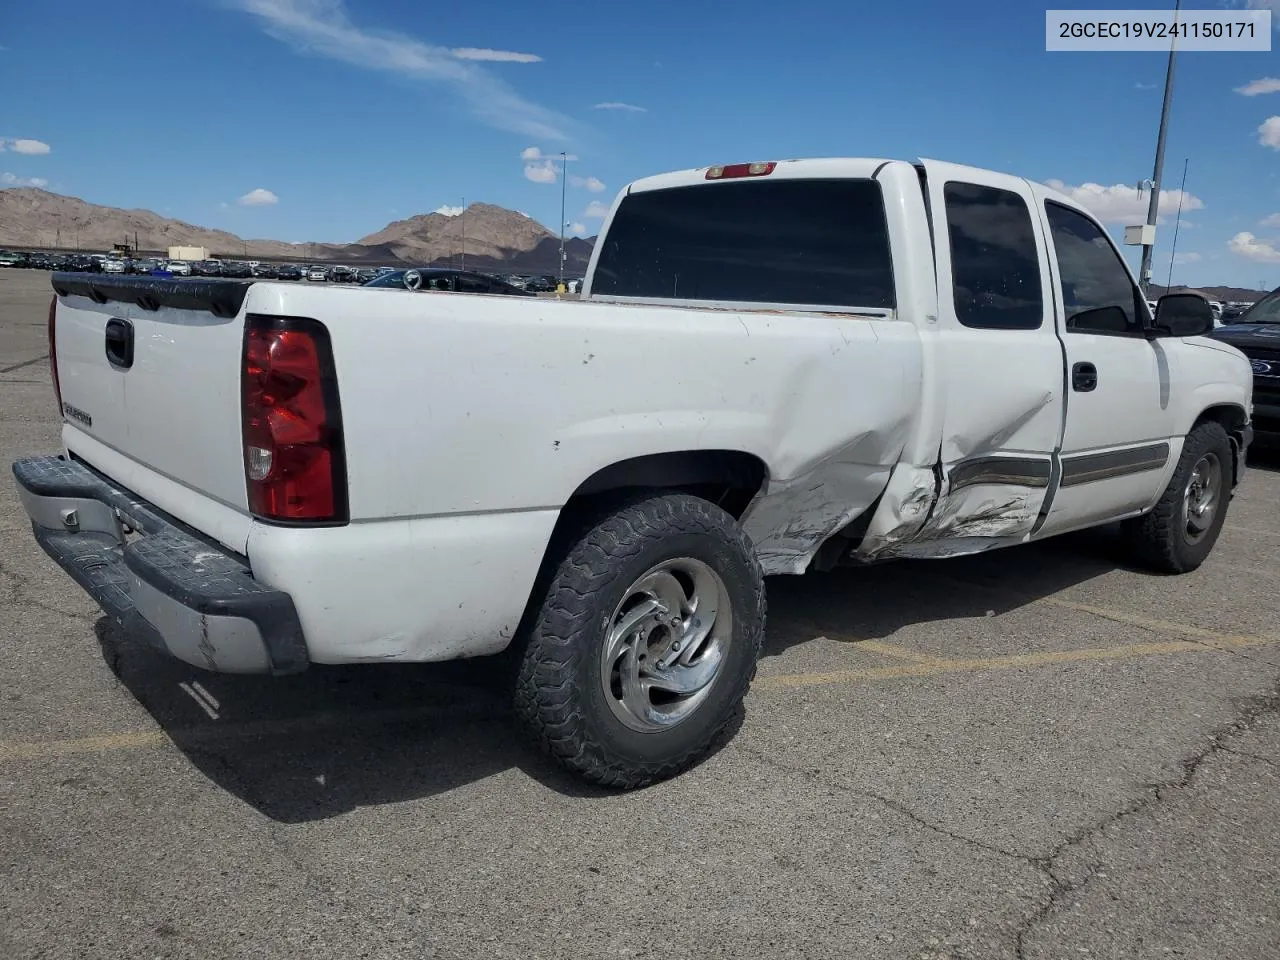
(564, 630)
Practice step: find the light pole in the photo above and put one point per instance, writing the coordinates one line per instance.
(564, 179)
(1148, 249)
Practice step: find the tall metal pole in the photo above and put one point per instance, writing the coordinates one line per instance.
(1148, 249)
(564, 167)
(463, 218)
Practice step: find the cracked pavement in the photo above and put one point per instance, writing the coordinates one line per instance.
(1032, 754)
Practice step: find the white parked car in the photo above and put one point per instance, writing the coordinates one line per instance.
(317, 273)
(179, 268)
(773, 368)
(113, 265)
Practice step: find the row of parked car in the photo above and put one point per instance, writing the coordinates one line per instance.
(327, 273)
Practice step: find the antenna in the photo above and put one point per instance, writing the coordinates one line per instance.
(1182, 192)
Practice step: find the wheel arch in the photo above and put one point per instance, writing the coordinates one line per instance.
(1234, 419)
(731, 479)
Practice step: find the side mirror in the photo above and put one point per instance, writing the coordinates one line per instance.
(1183, 315)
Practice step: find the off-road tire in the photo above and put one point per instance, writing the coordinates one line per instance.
(1158, 539)
(558, 696)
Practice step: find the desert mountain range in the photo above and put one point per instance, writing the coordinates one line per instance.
(491, 237)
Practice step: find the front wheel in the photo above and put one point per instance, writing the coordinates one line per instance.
(645, 642)
(1181, 531)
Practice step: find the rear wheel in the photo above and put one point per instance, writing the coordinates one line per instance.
(1181, 531)
(645, 642)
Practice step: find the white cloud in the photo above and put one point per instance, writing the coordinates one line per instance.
(13, 180)
(578, 229)
(1145, 86)
(495, 56)
(591, 183)
(523, 214)
(544, 171)
(596, 210)
(258, 198)
(1187, 258)
(224, 205)
(543, 167)
(1121, 204)
(1271, 221)
(1251, 248)
(615, 105)
(1272, 5)
(1269, 133)
(1256, 87)
(535, 153)
(32, 148)
(448, 211)
(323, 27)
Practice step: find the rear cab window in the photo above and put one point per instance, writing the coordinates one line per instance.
(996, 282)
(799, 243)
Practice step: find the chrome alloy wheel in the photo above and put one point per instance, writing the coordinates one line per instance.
(1202, 497)
(666, 644)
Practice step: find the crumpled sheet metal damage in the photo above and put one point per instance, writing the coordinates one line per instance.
(792, 519)
(968, 521)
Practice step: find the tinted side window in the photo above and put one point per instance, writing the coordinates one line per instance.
(820, 242)
(1097, 293)
(472, 285)
(994, 263)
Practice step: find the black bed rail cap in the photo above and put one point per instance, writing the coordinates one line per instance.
(221, 297)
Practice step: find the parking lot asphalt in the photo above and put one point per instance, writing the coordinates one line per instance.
(1034, 753)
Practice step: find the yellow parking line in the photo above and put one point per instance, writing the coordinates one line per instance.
(1021, 661)
(1151, 624)
(1239, 529)
(898, 652)
(60, 748)
(914, 664)
(1160, 626)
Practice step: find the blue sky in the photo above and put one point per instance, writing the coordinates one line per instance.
(351, 113)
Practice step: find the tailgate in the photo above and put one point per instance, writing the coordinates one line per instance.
(172, 407)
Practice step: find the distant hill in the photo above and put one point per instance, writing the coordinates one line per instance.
(488, 236)
(1225, 294)
(38, 218)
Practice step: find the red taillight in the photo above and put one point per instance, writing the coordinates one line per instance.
(734, 170)
(53, 351)
(294, 462)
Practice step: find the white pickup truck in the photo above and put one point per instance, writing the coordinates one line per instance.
(773, 367)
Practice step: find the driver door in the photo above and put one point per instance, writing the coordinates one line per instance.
(1119, 422)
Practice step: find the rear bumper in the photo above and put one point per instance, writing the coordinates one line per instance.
(191, 599)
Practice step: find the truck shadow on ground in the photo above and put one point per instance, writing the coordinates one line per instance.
(332, 739)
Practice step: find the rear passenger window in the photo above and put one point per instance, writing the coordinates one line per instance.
(814, 242)
(994, 263)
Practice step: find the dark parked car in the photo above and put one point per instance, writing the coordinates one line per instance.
(1256, 334)
(539, 284)
(266, 271)
(288, 271)
(445, 279)
(1231, 312)
(145, 266)
(234, 268)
